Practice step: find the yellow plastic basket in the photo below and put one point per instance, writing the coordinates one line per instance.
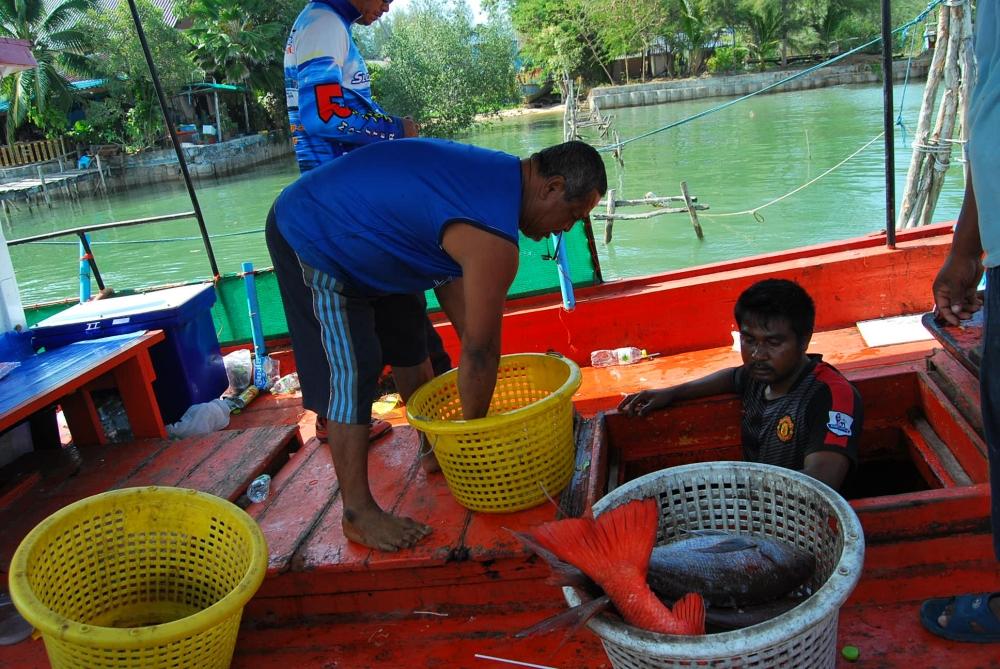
(522, 450)
(141, 577)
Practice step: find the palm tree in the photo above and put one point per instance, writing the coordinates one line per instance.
(234, 42)
(58, 45)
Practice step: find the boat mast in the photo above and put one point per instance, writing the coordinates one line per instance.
(889, 139)
(173, 138)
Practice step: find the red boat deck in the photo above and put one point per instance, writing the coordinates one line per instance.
(469, 587)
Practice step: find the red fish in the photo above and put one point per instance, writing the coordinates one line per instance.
(614, 551)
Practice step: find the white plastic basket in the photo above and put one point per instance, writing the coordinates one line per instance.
(749, 499)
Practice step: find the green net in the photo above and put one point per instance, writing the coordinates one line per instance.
(537, 273)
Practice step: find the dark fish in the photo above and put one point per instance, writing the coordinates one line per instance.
(614, 551)
(729, 570)
(720, 619)
(768, 575)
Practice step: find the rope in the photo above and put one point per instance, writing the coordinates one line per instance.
(617, 146)
(760, 219)
(157, 241)
(906, 82)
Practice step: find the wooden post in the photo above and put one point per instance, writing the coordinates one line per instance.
(610, 210)
(906, 217)
(218, 116)
(45, 190)
(6, 212)
(945, 128)
(100, 172)
(691, 210)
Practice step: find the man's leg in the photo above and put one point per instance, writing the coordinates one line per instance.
(440, 360)
(989, 396)
(337, 355)
(403, 329)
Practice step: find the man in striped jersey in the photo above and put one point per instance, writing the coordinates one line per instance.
(798, 411)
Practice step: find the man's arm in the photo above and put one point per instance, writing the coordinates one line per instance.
(716, 383)
(328, 108)
(489, 264)
(451, 297)
(835, 417)
(828, 467)
(955, 296)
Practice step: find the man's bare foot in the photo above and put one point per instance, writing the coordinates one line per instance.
(382, 531)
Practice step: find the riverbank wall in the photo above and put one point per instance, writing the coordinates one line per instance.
(729, 86)
(205, 161)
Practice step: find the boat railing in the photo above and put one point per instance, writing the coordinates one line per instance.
(82, 231)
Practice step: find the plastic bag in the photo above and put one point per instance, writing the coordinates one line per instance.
(286, 384)
(239, 369)
(272, 371)
(201, 418)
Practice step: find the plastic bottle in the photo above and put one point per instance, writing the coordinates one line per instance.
(240, 402)
(259, 488)
(618, 356)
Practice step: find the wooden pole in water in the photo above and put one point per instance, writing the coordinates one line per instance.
(45, 190)
(918, 159)
(610, 211)
(887, 122)
(100, 173)
(944, 129)
(691, 210)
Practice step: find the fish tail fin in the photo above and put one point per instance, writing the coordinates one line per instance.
(562, 572)
(690, 611)
(600, 548)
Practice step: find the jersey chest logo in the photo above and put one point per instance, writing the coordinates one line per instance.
(785, 429)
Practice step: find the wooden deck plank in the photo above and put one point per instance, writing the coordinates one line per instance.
(228, 471)
(301, 493)
(392, 466)
(170, 467)
(428, 499)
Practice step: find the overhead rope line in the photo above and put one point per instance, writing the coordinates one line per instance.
(755, 210)
(617, 146)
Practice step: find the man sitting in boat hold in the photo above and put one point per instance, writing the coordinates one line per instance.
(396, 219)
(798, 411)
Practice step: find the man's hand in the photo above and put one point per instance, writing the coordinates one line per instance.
(641, 403)
(955, 297)
(410, 127)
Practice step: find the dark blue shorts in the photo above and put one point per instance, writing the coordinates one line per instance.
(341, 339)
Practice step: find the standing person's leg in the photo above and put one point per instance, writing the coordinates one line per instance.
(338, 357)
(976, 617)
(402, 325)
(440, 360)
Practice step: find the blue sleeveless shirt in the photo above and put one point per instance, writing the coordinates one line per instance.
(373, 219)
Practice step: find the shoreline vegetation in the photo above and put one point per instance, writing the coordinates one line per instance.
(221, 63)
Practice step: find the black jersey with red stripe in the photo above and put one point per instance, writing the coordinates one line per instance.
(821, 412)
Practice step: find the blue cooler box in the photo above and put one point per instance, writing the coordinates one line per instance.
(188, 363)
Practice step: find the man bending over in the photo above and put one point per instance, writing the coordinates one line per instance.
(422, 214)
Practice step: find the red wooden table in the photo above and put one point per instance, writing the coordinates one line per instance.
(67, 375)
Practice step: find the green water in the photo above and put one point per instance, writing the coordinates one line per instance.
(734, 160)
